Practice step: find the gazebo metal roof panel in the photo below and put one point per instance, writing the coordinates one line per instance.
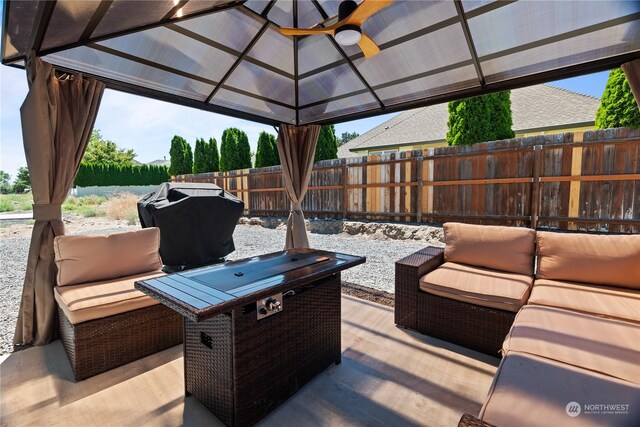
(229, 57)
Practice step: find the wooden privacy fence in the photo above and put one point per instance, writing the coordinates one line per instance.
(572, 181)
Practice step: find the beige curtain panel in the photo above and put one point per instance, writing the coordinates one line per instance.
(632, 72)
(297, 149)
(57, 117)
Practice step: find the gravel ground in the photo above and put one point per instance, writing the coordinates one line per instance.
(377, 273)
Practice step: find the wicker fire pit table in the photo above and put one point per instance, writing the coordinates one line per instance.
(256, 330)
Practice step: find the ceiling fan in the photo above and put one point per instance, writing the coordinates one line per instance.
(348, 30)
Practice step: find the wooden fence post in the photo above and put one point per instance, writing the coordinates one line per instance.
(345, 190)
(419, 163)
(535, 186)
(249, 193)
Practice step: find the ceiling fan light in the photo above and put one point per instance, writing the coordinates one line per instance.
(348, 35)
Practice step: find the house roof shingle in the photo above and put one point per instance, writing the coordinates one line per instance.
(533, 108)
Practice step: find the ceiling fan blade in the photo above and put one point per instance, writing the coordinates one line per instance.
(365, 10)
(306, 31)
(368, 46)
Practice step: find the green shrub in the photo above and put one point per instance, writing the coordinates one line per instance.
(480, 119)
(181, 157)
(16, 202)
(6, 205)
(87, 211)
(104, 175)
(267, 153)
(327, 147)
(617, 107)
(213, 157)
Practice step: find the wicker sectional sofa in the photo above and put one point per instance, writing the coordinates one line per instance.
(104, 321)
(571, 355)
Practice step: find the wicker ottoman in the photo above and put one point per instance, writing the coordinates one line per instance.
(99, 345)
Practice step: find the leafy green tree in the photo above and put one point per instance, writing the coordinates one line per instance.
(188, 156)
(5, 182)
(327, 147)
(267, 154)
(617, 107)
(23, 180)
(346, 137)
(228, 150)
(243, 151)
(100, 150)
(200, 157)
(180, 156)
(213, 157)
(480, 119)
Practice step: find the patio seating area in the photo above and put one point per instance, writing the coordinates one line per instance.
(297, 65)
(388, 377)
(568, 333)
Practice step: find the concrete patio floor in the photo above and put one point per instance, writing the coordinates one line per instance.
(388, 377)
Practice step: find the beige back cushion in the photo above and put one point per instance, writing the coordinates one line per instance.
(82, 259)
(499, 248)
(590, 258)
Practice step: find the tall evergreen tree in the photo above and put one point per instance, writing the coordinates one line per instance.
(267, 154)
(200, 157)
(177, 156)
(274, 151)
(213, 157)
(480, 119)
(617, 107)
(327, 147)
(228, 148)
(188, 157)
(243, 151)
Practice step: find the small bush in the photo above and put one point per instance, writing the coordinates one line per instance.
(6, 205)
(71, 201)
(87, 211)
(92, 200)
(16, 202)
(132, 218)
(123, 206)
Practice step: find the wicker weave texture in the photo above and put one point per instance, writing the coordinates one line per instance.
(409, 270)
(208, 359)
(469, 325)
(98, 345)
(265, 361)
(471, 421)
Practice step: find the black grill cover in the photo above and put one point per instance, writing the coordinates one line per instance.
(196, 221)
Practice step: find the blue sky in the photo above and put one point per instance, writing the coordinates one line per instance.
(147, 126)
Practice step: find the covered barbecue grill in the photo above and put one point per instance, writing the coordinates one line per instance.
(196, 222)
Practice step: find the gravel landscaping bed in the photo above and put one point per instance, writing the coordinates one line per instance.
(250, 240)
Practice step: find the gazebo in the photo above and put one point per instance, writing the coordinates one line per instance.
(234, 58)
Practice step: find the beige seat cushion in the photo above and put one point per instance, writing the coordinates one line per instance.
(480, 286)
(96, 300)
(83, 259)
(533, 391)
(589, 258)
(605, 301)
(608, 346)
(499, 248)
